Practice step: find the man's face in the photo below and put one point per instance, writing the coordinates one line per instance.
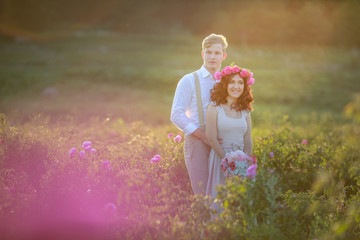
(213, 57)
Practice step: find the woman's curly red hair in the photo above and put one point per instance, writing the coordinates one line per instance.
(219, 94)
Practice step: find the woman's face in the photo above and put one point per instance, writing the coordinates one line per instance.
(235, 87)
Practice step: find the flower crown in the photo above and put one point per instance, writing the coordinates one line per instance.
(235, 69)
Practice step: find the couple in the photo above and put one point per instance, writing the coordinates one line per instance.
(225, 105)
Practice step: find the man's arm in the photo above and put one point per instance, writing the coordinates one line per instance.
(181, 102)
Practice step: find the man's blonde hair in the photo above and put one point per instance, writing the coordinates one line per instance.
(213, 39)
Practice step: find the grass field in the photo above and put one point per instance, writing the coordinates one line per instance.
(95, 86)
(99, 73)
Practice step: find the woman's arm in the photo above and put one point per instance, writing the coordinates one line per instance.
(247, 137)
(211, 131)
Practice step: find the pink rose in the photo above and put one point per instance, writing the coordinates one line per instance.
(217, 75)
(250, 81)
(304, 141)
(170, 135)
(235, 69)
(177, 138)
(244, 73)
(155, 159)
(228, 70)
(251, 171)
(251, 75)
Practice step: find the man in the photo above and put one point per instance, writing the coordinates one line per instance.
(186, 115)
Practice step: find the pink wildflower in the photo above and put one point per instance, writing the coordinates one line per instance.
(177, 138)
(72, 152)
(251, 171)
(1, 141)
(217, 76)
(235, 69)
(81, 154)
(110, 207)
(88, 148)
(250, 81)
(106, 164)
(155, 159)
(244, 73)
(170, 135)
(86, 144)
(271, 154)
(112, 133)
(304, 141)
(93, 150)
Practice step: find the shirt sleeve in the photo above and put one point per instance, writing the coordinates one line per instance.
(181, 103)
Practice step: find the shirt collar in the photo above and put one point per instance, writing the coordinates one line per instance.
(204, 72)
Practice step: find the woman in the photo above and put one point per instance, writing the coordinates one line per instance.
(228, 118)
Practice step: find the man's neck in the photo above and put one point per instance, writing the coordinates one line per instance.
(212, 71)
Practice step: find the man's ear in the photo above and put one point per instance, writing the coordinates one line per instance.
(225, 54)
(202, 54)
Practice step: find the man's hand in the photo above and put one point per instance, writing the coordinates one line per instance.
(200, 134)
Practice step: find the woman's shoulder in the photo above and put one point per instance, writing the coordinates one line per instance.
(246, 112)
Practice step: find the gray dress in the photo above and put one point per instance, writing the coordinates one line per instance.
(232, 132)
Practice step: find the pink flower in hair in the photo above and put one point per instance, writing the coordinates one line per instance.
(251, 75)
(228, 70)
(250, 81)
(235, 69)
(244, 73)
(217, 76)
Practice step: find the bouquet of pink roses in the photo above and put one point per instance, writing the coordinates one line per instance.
(239, 163)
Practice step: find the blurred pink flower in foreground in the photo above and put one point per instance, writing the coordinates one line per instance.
(72, 152)
(81, 154)
(155, 159)
(106, 164)
(93, 150)
(251, 171)
(170, 135)
(110, 207)
(177, 138)
(88, 148)
(304, 141)
(86, 144)
(271, 154)
(112, 133)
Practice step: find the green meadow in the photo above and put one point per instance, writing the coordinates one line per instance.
(104, 74)
(116, 91)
